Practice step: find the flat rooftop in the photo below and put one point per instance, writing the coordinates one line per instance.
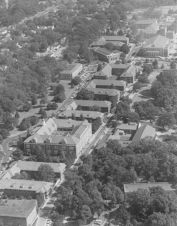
(93, 103)
(85, 114)
(16, 208)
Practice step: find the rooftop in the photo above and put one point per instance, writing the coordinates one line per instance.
(25, 185)
(109, 82)
(105, 51)
(16, 208)
(115, 38)
(157, 42)
(145, 22)
(33, 166)
(71, 68)
(108, 92)
(91, 103)
(120, 66)
(134, 187)
(126, 126)
(85, 114)
(143, 132)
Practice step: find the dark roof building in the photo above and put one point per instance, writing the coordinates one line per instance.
(145, 131)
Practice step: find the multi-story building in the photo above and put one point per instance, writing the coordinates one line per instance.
(14, 188)
(108, 84)
(106, 55)
(169, 72)
(116, 38)
(156, 46)
(143, 24)
(104, 73)
(71, 72)
(93, 105)
(61, 135)
(79, 115)
(18, 212)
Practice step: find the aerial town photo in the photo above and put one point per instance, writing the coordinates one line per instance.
(88, 113)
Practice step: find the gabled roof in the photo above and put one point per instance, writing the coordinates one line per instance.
(33, 166)
(115, 38)
(135, 186)
(17, 208)
(85, 114)
(90, 103)
(71, 68)
(106, 52)
(145, 22)
(108, 92)
(143, 132)
(109, 82)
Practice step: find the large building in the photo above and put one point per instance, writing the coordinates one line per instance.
(108, 84)
(143, 24)
(93, 105)
(117, 41)
(144, 131)
(14, 188)
(61, 135)
(111, 95)
(71, 72)
(169, 72)
(18, 212)
(30, 167)
(79, 115)
(126, 72)
(129, 188)
(156, 46)
(104, 73)
(106, 55)
(116, 38)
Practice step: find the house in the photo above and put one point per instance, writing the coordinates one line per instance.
(144, 131)
(143, 24)
(108, 84)
(79, 115)
(104, 73)
(93, 105)
(30, 167)
(156, 46)
(169, 72)
(71, 72)
(26, 188)
(61, 135)
(106, 55)
(128, 188)
(18, 212)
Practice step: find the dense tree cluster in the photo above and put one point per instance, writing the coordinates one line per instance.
(97, 184)
(164, 91)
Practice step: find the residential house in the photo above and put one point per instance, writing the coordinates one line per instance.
(71, 72)
(156, 46)
(104, 73)
(61, 135)
(107, 55)
(18, 212)
(93, 105)
(144, 131)
(26, 188)
(108, 84)
(79, 115)
(129, 188)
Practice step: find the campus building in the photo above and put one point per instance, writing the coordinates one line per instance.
(18, 212)
(61, 135)
(71, 71)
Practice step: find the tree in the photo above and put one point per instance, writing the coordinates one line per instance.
(86, 213)
(147, 68)
(155, 64)
(173, 65)
(96, 124)
(33, 99)
(166, 120)
(59, 97)
(76, 80)
(143, 79)
(17, 155)
(157, 219)
(85, 94)
(25, 124)
(125, 49)
(45, 173)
